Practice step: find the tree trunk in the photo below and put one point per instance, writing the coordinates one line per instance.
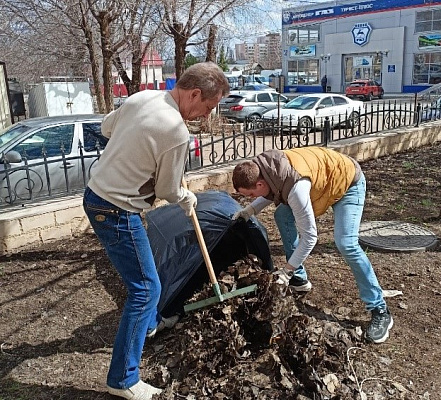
(180, 46)
(211, 44)
(107, 60)
(94, 63)
(136, 67)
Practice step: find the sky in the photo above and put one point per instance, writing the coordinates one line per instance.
(268, 18)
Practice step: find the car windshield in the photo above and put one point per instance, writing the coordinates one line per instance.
(11, 132)
(302, 103)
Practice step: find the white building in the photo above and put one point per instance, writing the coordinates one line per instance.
(397, 43)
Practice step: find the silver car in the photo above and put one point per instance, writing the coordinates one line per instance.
(250, 105)
(53, 155)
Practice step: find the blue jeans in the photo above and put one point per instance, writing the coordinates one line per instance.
(347, 217)
(125, 240)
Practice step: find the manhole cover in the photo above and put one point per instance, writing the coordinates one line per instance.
(396, 236)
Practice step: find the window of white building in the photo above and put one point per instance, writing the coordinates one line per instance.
(303, 72)
(427, 68)
(427, 21)
(303, 35)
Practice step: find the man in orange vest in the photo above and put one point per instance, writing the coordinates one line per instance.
(303, 183)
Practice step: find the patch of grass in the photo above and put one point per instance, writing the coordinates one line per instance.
(408, 165)
(427, 202)
(399, 207)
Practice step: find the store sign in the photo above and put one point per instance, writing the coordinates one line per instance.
(294, 16)
(301, 51)
(361, 33)
(429, 41)
(362, 61)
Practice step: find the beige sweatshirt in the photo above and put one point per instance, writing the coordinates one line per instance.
(146, 154)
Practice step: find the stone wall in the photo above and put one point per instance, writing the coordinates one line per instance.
(64, 218)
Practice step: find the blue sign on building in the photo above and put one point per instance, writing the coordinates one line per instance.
(361, 33)
(342, 11)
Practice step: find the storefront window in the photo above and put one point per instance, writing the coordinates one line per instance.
(427, 68)
(303, 35)
(303, 72)
(363, 66)
(427, 21)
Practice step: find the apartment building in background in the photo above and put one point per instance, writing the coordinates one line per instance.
(266, 51)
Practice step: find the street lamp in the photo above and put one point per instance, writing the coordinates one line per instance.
(382, 52)
(325, 58)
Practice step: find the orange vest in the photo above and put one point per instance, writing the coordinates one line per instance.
(331, 173)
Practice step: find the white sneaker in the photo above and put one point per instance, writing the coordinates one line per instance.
(164, 323)
(139, 391)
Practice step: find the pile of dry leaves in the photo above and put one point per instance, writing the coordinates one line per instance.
(271, 345)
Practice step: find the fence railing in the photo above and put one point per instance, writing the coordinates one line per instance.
(45, 178)
(247, 139)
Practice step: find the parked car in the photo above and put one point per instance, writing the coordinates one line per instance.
(23, 144)
(254, 86)
(310, 110)
(250, 105)
(432, 111)
(365, 89)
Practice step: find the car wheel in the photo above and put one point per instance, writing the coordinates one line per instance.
(304, 126)
(369, 97)
(380, 96)
(353, 120)
(254, 121)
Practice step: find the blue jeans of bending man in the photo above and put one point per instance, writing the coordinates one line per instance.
(125, 240)
(347, 217)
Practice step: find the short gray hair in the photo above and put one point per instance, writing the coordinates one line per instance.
(206, 76)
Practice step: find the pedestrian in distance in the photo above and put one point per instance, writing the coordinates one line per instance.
(324, 83)
(144, 159)
(303, 183)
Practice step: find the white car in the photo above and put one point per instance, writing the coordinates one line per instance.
(54, 155)
(310, 110)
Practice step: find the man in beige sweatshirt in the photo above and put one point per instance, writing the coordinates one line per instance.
(144, 160)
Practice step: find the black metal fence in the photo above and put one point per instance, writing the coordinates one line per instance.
(24, 181)
(33, 180)
(250, 138)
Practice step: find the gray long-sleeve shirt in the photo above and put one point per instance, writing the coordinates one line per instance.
(300, 202)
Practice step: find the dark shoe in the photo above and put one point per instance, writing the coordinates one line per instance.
(164, 323)
(381, 323)
(286, 277)
(299, 284)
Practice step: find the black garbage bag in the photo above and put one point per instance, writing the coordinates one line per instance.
(176, 249)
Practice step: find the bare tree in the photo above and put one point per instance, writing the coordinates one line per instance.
(186, 19)
(83, 35)
(35, 45)
(125, 33)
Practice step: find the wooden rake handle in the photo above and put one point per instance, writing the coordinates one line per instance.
(202, 245)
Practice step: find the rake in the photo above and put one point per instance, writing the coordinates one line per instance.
(218, 295)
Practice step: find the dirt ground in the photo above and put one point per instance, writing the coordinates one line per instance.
(60, 305)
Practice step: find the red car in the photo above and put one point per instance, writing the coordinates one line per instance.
(364, 89)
